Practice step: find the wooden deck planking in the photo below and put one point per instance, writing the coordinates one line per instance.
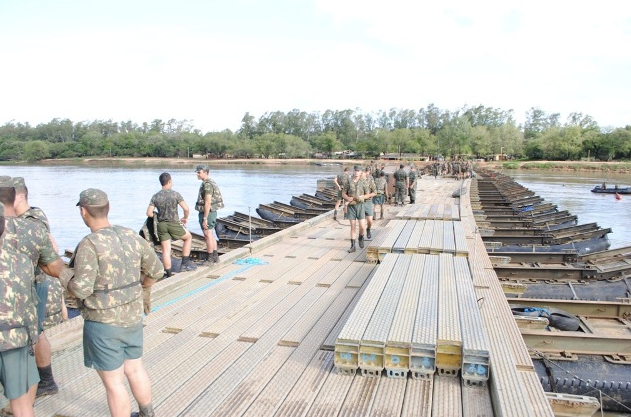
(360, 397)
(329, 400)
(241, 367)
(270, 400)
(418, 398)
(373, 342)
(476, 401)
(399, 340)
(304, 392)
(447, 400)
(302, 328)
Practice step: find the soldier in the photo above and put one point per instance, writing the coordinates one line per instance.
(368, 206)
(339, 180)
(354, 193)
(50, 310)
(112, 301)
(208, 202)
(170, 226)
(401, 185)
(31, 239)
(412, 175)
(18, 324)
(381, 191)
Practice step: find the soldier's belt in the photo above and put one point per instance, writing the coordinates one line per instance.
(108, 289)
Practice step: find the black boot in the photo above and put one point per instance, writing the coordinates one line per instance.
(215, 256)
(368, 235)
(352, 249)
(47, 385)
(335, 215)
(361, 241)
(146, 411)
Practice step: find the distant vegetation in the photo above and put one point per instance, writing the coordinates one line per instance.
(477, 131)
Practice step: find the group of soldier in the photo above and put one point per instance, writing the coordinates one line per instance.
(111, 273)
(366, 189)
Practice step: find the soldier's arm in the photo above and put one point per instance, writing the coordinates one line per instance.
(150, 210)
(53, 268)
(185, 210)
(86, 270)
(150, 265)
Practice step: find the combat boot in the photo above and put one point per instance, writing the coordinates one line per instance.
(46, 385)
(335, 215)
(352, 249)
(361, 241)
(368, 235)
(215, 257)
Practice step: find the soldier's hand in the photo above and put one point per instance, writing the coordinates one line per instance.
(146, 300)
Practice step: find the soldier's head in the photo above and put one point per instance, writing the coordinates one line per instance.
(7, 191)
(401, 166)
(357, 171)
(165, 177)
(94, 203)
(382, 174)
(202, 171)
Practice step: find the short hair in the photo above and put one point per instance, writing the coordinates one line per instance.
(7, 195)
(345, 169)
(98, 212)
(165, 177)
(382, 174)
(401, 166)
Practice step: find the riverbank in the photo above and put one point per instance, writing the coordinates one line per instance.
(619, 167)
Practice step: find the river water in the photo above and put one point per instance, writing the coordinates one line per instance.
(56, 190)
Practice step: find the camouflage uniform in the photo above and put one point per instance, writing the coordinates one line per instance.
(167, 201)
(372, 188)
(352, 189)
(31, 239)
(412, 190)
(168, 220)
(18, 313)
(400, 177)
(49, 288)
(342, 178)
(209, 187)
(107, 265)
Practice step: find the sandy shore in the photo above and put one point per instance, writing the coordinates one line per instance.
(390, 164)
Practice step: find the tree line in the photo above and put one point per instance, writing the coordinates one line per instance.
(477, 131)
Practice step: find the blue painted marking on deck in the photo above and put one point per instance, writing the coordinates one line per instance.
(247, 262)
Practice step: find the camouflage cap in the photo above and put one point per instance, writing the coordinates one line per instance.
(92, 197)
(5, 181)
(18, 182)
(357, 168)
(202, 168)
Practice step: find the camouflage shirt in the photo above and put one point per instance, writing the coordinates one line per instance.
(37, 214)
(380, 186)
(54, 302)
(167, 201)
(342, 178)
(30, 238)
(107, 275)
(209, 187)
(412, 176)
(354, 188)
(400, 175)
(18, 313)
(370, 181)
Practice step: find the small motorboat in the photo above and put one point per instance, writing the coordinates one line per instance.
(611, 190)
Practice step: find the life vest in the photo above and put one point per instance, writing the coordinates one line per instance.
(113, 290)
(18, 316)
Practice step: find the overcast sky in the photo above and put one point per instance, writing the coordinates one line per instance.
(211, 61)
